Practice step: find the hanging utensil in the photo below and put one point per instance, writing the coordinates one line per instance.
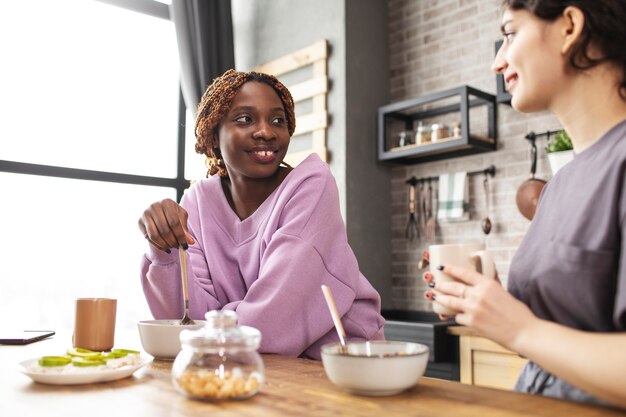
(183, 273)
(430, 220)
(528, 193)
(486, 223)
(421, 207)
(435, 208)
(412, 230)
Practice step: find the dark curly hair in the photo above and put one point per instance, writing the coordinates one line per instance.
(215, 104)
(605, 29)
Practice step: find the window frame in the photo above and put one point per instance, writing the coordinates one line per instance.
(151, 8)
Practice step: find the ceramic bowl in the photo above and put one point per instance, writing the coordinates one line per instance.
(161, 338)
(375, 368)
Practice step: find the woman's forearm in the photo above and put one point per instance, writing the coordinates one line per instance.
(593, 362)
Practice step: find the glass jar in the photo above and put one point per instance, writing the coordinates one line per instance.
(438, 132)
(405, 138)
(421, 136)
(220, 361)
(456, 130)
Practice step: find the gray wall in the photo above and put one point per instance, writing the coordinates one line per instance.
(368, 195)
(356, 31)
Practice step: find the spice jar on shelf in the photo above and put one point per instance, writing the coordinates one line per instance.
(220, 361)
(456, 130)
(421, 136)
(405, 138)
(438, 132)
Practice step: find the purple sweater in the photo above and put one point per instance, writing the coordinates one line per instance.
(270, 266)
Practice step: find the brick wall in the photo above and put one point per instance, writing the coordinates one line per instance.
(437, 45)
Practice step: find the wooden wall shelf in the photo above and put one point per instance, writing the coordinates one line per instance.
(310, 63)
(473, 111)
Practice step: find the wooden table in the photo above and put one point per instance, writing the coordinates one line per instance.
(295, 387)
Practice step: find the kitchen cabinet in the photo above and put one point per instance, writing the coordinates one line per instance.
(445, 124)
(484, 362)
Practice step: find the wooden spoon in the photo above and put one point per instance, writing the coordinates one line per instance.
(183, 273)
(335, 315)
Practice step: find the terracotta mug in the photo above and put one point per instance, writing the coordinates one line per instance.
(94, 325)
(465, 255)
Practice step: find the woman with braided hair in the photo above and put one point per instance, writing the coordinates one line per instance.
(261, 237)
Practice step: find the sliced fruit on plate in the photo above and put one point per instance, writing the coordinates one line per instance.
(119, 353)
(84, 353)
(113, 355)
(49, 361)
(127, 351)
(78, 361)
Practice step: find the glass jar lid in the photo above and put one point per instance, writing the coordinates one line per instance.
(222, 332)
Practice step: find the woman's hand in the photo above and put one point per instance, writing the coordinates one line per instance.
(164, 225)
(483, 304)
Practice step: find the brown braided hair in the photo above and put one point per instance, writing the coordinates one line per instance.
(216, 102)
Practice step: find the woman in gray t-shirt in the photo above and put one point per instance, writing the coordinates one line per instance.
(566, 306)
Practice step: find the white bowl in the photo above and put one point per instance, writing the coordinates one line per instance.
(375, 368)
(161, 338)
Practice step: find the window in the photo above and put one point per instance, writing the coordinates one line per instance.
(85, 86)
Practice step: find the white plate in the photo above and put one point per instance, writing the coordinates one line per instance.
(85, 377)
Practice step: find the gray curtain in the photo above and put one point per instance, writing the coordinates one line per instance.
(204, 32)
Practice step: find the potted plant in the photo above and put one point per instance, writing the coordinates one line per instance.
(560, 151)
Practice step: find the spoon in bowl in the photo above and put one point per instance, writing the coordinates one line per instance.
(183, 273)
(335, 315)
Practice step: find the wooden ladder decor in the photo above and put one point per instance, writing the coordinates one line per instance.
(315, 89)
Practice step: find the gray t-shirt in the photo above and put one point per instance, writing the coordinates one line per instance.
(570, 268)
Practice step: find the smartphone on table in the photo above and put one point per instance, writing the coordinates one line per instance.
(23, 337)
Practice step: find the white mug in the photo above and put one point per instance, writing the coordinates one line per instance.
(464, 255)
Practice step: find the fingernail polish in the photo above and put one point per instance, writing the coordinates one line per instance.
(440, 267)
(185, 245)
(431, 284)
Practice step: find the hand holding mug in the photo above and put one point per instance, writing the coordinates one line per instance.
(483, 304)
(469, 256)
